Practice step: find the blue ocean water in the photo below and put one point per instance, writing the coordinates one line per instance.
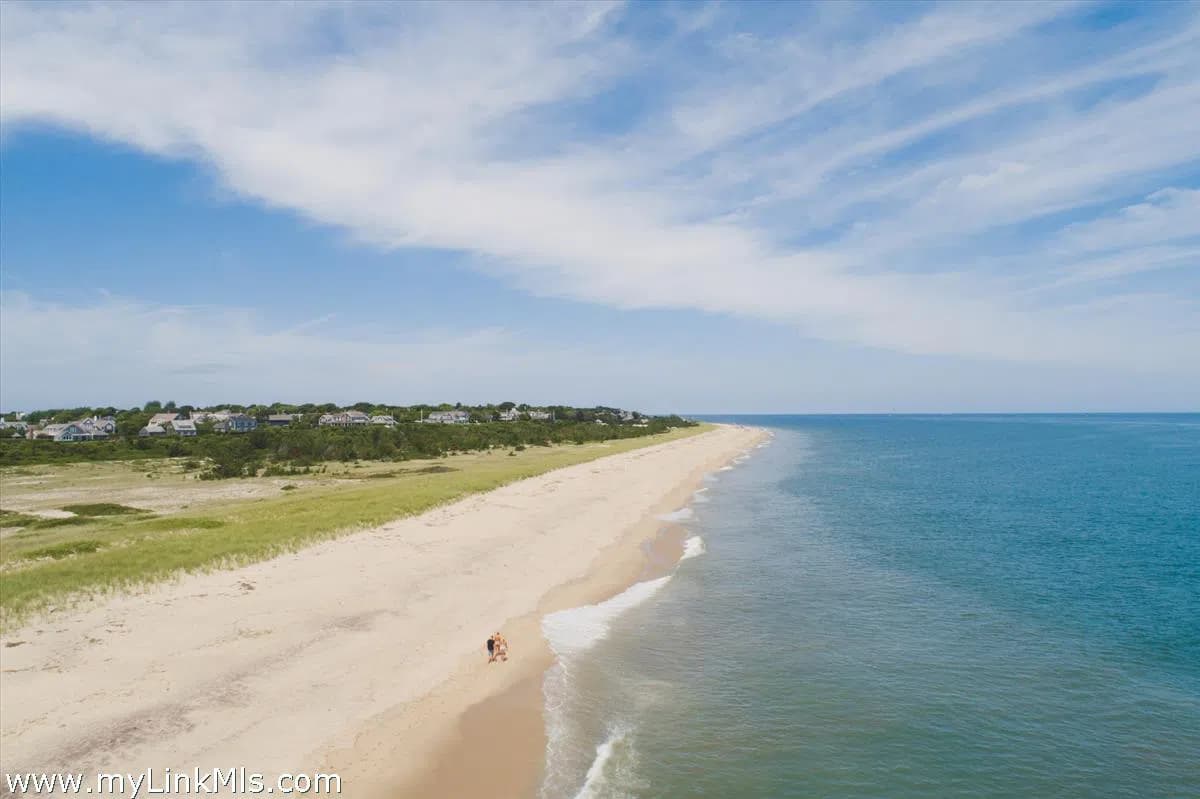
(949, 606)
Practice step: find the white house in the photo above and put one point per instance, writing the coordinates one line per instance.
(509, 415)
(153, 430)
(161, 419)
(14, 429)
(541, 416)
(386, 421)
(448, 417)
(345, 419)
(183, 427)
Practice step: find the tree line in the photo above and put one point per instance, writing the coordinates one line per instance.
(302, 446)
(131, 420)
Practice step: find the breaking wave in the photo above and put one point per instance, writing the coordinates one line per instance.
(693, 547)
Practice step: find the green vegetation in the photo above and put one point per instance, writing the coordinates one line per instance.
(66, 549)
(127, 549)
(100, 509)
(295, 449)
(11, 518)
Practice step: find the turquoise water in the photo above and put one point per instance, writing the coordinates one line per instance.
(1002, 606)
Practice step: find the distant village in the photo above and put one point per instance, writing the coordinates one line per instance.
(187, 423)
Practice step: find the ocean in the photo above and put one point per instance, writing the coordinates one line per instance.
(905, 606)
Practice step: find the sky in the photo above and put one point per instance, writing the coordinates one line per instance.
(673, 207)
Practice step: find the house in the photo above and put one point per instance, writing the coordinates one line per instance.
(14, 429)
(541, 416)
(344, 419)
(235, 423)
(282, 419)
(153, 430)
(512, 415)
(161, 419)
(59, 432)
(82, 430)
(386, 421)
(183, 427)
(98, 426)
(448, 417)
(628, 416)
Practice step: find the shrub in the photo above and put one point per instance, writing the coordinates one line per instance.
(66, 549)
(100, 509)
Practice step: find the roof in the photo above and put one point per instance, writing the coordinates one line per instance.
(162, 418)
(153, 428)
(183, 424)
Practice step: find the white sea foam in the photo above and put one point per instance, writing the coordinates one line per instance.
(597, 777)
(572, 631)
(693, 547)
(725, 469)
(699, 497)
(681, 515)
(711, 478)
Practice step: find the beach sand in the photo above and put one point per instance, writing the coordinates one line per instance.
(362, 656)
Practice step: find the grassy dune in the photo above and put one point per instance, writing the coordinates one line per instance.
(107, 547)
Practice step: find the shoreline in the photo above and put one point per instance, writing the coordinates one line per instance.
(503, 734)
(359, 656)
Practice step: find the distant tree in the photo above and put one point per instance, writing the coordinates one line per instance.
(154, 406)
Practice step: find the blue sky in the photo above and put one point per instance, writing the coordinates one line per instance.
(694, 207)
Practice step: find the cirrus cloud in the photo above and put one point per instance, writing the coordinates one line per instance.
(936, 182)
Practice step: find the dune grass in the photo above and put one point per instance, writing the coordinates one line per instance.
(115, 552)
(100, 509)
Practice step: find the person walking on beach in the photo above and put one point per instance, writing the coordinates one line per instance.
(491, 646)
(501, 647)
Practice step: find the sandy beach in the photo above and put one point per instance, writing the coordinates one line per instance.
(361, 656)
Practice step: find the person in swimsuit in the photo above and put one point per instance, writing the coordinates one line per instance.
(491, 647)
(501, 647)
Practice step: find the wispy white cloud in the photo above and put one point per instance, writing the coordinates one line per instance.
(1165, 216)
(861, 179)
